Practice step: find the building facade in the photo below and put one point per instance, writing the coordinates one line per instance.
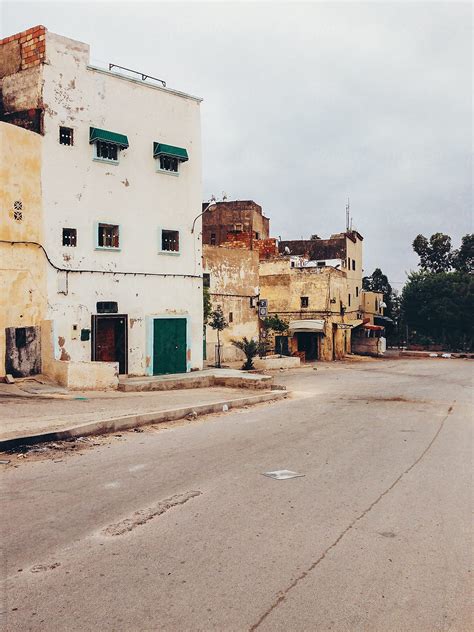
(309, 299)
(342, 251)
(232, 278)
(119, 170)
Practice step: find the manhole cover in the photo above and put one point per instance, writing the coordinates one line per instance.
(281, 475)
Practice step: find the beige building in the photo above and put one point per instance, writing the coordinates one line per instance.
(310, 299)
(372, 305)
(231, 276)
(342, 251)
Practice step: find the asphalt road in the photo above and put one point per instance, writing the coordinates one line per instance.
(178, 530)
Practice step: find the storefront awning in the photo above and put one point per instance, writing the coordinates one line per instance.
(160, 149)
(355, 323)
(105, 136)
(314, 326)
(374, 327)
(383, 320)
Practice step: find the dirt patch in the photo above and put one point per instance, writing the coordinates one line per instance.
(53, 451)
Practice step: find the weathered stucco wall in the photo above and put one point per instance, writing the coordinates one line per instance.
(75, 375)
(233, 283)
(22, 267)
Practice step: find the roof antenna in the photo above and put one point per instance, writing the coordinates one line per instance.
(347, 215)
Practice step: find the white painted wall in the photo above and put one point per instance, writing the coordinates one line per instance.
(78, 191)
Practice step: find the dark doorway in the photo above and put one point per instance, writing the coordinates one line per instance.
(281, 345)
(23, 351)
(109, 340)
(169, 345)
(308, 343)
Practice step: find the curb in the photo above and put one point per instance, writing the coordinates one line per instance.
(126, 422)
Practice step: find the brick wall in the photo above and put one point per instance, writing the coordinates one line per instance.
(224, 216)
(23, 50)
(266, 248)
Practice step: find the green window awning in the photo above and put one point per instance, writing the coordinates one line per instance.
(160, 149)
(104, 135)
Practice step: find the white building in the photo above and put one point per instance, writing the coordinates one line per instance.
(120, 186)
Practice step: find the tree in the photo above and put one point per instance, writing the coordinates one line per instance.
(206, 304)
(278, 325)
(250, 348)
(378, 282)
(463, 259)
(218, 323)
(435, 254)
(439, 307)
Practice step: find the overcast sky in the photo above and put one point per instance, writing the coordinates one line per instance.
(307, 104)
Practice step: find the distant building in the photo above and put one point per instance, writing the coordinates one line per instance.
(342, 251)
(227, 220)
(101, 180)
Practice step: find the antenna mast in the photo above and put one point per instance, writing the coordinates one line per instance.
(347, 215)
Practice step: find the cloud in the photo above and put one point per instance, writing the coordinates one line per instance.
(306, 104)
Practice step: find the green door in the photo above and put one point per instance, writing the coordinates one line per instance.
(169, 345)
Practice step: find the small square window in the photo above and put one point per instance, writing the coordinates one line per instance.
(107, 307)
(70, 237)
(106, 151)
(170, 240)
(213, 239)
(108, 236)
(66, 136)
(304, 301)
(167, 163)
(206, 279)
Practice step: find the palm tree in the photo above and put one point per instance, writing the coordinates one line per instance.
(250, 348)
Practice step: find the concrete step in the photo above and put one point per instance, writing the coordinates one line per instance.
(199, 379)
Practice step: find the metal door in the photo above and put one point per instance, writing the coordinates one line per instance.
(169, 345)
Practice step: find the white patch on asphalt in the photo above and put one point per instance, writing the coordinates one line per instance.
(135, 468)
(112, 485)
(282, 475)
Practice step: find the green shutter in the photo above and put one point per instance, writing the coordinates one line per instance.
(159, 149)
(104, 135)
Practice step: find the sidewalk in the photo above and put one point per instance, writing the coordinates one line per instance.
(28, 418)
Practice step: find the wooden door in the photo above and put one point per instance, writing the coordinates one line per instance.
(169, 345)
(110, 340)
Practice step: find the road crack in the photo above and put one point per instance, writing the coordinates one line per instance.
(282, 594)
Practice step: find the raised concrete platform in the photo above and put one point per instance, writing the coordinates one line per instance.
(276, 362)
(231, 378)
